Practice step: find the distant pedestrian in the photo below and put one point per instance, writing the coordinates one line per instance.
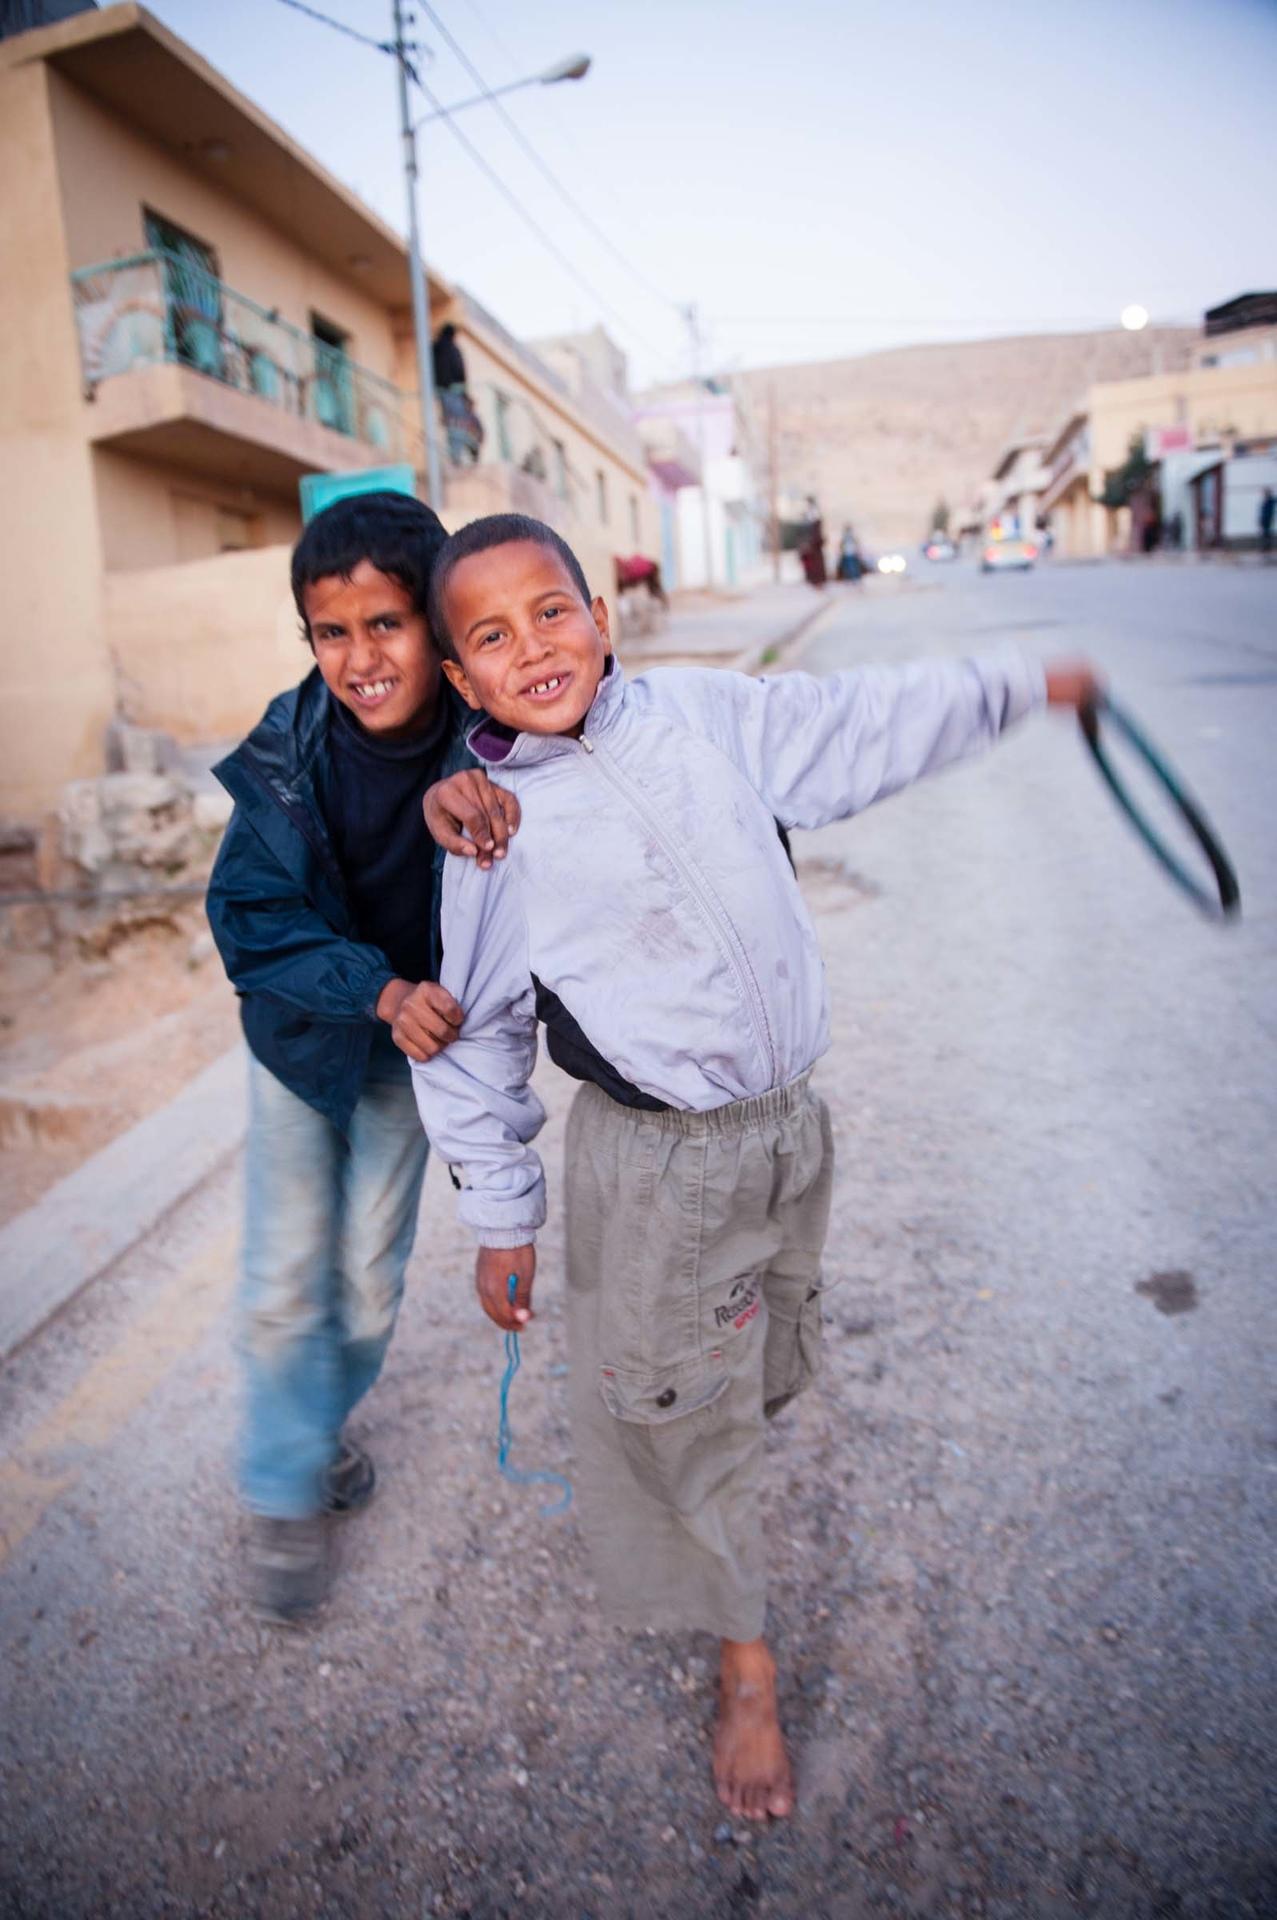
(1267, 508)
(811, 549)
(448, 360)
(324, 904)
(460, 419)
(850, 565)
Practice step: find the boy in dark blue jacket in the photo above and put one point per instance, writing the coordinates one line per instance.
(324, 905)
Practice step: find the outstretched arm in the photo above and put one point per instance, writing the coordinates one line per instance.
(819, 748)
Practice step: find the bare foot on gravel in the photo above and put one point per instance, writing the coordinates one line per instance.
(751, 1767)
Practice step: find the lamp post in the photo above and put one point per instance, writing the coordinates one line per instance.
(575, 67)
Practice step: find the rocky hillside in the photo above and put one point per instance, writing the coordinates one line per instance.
(879, 439)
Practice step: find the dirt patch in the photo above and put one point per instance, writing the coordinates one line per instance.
(88, 1047)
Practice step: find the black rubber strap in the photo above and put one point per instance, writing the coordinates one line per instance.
(1228, 903)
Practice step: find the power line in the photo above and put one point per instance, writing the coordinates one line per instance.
(338, 26)
(569, 266)
(514, 59)
(543, 168)
(1082, 321)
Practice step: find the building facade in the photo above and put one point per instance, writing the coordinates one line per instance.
(719, 521)
(1208, 431)
(197, 316)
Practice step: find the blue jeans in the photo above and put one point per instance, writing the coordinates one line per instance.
(329, 1225)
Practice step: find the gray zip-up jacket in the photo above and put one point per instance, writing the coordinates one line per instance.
(648, 889)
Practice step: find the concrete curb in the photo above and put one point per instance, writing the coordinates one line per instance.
(750, 659)
(84, 1223)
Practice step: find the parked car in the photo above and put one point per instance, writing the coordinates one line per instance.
(939, 547)
(1008, 556)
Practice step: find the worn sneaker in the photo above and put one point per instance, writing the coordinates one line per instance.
(287, 1567)
(350, 1481)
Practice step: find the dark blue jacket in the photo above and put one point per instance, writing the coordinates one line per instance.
(278, 907)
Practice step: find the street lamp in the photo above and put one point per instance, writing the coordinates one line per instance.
(575, 67)
(1134, 318)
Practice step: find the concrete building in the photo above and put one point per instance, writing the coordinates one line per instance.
(592, 377)
(1210, 431)
(674, 466)
(196, 315)
(719, 522)
(1225, 402)
(1012, 501)
(1079, 524)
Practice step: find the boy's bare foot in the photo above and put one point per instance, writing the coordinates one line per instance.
(751, 1767)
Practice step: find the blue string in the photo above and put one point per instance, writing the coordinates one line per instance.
(505, 1439)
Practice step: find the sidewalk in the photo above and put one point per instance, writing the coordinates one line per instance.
(727, 629)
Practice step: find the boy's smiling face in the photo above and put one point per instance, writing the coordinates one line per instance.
(374, 651)
(530, 650)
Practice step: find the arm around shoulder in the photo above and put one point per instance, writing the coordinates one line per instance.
(821, 747)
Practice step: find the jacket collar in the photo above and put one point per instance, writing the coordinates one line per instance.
(284, 744)
(499, 746)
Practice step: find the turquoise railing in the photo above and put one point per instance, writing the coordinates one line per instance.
(159, 306)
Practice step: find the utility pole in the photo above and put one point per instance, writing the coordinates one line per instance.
(417, 273)
(694, 347)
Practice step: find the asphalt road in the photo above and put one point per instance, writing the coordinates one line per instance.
(1023, 1589)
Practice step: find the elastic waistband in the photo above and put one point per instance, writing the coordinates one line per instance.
(738, 1116)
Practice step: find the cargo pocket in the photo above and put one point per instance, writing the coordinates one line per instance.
(651, 1399)
(792, 1357)
(665, 1419)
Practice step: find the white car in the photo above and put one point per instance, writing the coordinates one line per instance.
(1008, 556)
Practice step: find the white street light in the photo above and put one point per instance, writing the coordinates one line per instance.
(575, 67)
(1134, 318)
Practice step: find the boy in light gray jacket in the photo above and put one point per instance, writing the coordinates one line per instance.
(648, 914)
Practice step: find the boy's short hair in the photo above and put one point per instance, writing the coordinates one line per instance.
(480, 536)
(395, 533)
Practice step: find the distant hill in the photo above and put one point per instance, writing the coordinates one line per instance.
(880, 438)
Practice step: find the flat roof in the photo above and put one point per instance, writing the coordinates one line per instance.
(126, 58)
(1013, 449)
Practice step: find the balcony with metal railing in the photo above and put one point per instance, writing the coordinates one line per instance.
(178, 364)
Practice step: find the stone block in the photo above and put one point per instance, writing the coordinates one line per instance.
(133, 749)
(212, 810)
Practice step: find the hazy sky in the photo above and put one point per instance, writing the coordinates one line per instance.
(823, 177)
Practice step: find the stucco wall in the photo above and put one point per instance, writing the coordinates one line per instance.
(149, 512)
(55, 684)
(538, 415)
(1209, 400)
(200, 649)
(108, 173)
(473, 492)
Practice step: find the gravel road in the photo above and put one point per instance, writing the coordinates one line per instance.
(1021, 1529)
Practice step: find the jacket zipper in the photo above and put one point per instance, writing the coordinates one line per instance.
(706, 899)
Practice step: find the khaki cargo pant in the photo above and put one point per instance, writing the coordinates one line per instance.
(693, 1302)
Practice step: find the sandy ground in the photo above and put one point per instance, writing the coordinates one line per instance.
(1020, 1531)
(91, 1046)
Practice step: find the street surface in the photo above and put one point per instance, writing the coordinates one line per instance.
(1024, 1582)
